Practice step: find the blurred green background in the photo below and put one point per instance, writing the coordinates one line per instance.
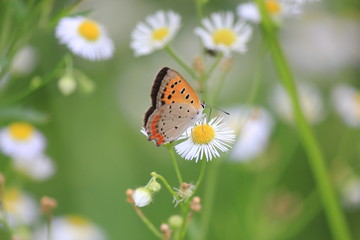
(99, 151)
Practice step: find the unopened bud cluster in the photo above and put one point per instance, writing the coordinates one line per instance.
(142, 196)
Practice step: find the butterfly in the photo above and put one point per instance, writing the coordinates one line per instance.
(175, 107)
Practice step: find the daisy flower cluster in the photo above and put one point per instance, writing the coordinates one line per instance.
(220, 32)
(25, 145)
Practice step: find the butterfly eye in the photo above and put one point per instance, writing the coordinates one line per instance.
(203, 105)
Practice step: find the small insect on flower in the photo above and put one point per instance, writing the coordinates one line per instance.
(157, 31)
(21, 140)
(222, 33)
(205, 139)
(85, 38)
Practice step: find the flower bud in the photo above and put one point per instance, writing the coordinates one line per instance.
(142, 197)
(175, 221)
(153, 185)
(48, 204)
(67, 84)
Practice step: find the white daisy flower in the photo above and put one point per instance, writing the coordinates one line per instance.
(39, 167)
(278, 10)
(21, 140)
(222, 33)
(157, 31)
(205, 139)
(20, 208)
(310, 101)
(346, 100)
(70, 227)
(254, 125)
(85, 38)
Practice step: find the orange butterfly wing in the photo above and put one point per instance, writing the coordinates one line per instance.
(175, 106)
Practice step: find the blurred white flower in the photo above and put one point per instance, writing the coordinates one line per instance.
(254, 125)
(39, 167)
(278, 10)
(322, 44)
(350, 193)
(157, 31)
(220, 32)
(310, 101)
(85, 38)
(205, 140)
(142, 197)
(71, 227)
(21, 140)
(346, 100)
(20, 208)
(24, 61)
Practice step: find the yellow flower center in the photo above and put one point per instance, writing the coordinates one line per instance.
(202, 134)
(77, 220)
(89, 30)
(21, 131)
(273, 6)
(160, 33)
(224, 36)
(11, 197)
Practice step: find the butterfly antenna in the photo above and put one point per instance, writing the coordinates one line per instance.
(211, 107)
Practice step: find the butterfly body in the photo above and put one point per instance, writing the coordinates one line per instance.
(175, 107)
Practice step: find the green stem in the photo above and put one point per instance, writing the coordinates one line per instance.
(199, 9)
(326, 191)
(258, 74)
(48, 226)
(205, 76)
(180, 61)
(176, 166)
(186, 209)
(168, 187)
(148, 223)
(17, 97)
(201, 176)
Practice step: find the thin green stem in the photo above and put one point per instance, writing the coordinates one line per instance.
(201, 176)
(326, 191)
(258, 74)
(48, 226)
(186, 209)
(205, 76)
(180, 61)
(176, 166)
(168, 187)
(199, 9)
(148, 223)
(17, 97)
(219, 85)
